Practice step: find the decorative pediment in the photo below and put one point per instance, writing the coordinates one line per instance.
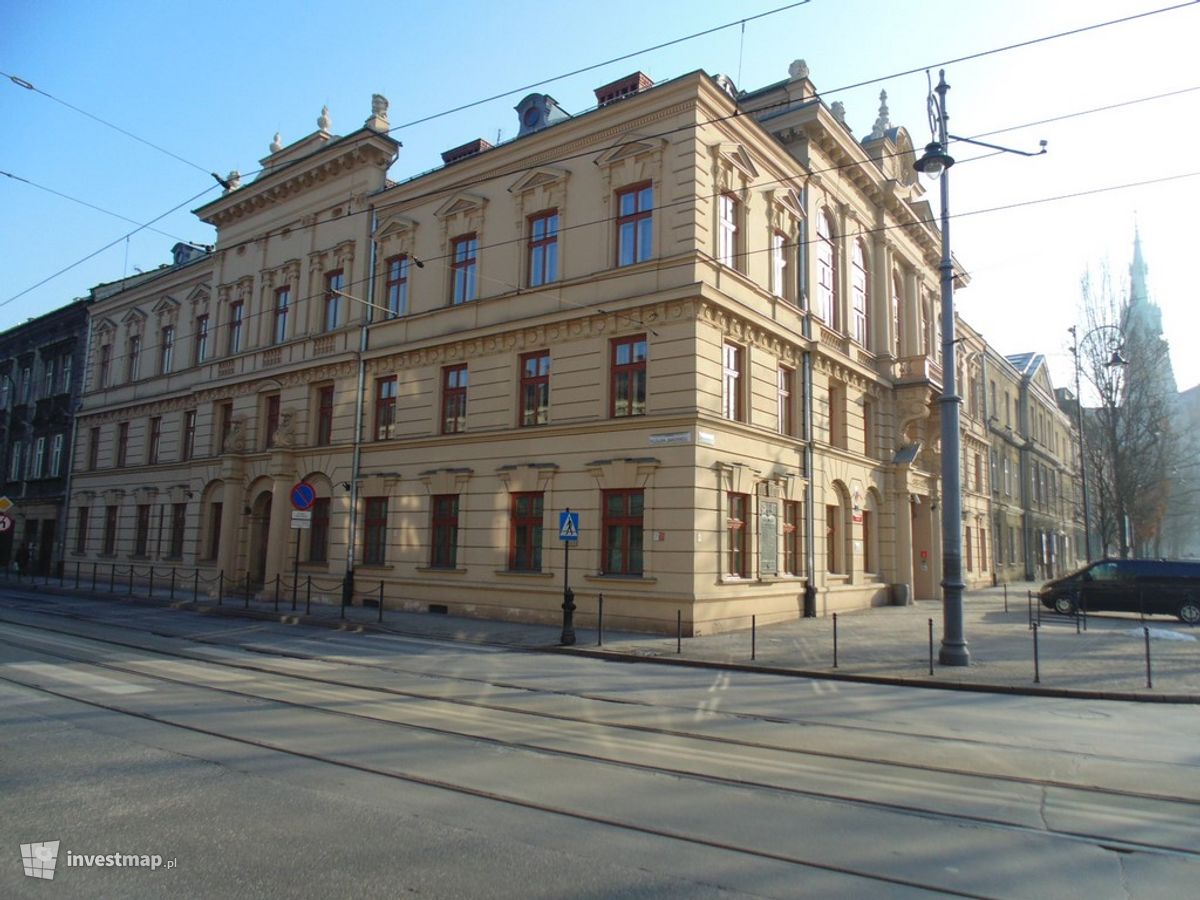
(785, 207)
(166, 307)
(462, 203)
(394, 227)
(543, 176)
(199, 295)
(134, 321)
(737, 156)
(267, 385)
(104, 327)
(630, 147)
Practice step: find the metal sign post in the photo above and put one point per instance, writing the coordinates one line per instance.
(303, 495)
(568, 533)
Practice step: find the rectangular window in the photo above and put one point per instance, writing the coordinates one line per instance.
(225, 420)
(105, 365)
(166, 349)
(621, 553)
(791, 537)
(56, 453)
(968, 545)
(727, 230)
(780, 249)
(214, 529)
(318, 532)
(81, 530)
(48, 378)
(385, 408)
(141, 536)
(454, 399)
(234, 343)
(464, 260)
(739, 508)
(535, 388)
(153, 440)
(396, 286)
(110, 531)
(200, 340)
(334, 282)
(837, 415)
(283, 297)
(868, 426)
(39, 458)
(122, 447)
(178, 518)
(786, 389)
(26, 384)
(731, 392)
(324, 435)
(978, 473)
(525, 535)
(983, 563)
(635, 207)
(133, 359)
(444, 532)
(375, 531)
(628, 388)
(187, 448)
(271, 421)
(65, 376)
(93, 457)
(14, 462)
(868, 540)
(543, 248)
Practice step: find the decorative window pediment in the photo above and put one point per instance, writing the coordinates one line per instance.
(737, 156)
(105, 327)
(631, 147)
(198, 297)
(461, 203)
(166, 308)
(395, 228)
(541, 177)
(134, 321)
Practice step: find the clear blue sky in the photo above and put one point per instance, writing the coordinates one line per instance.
(213, 83)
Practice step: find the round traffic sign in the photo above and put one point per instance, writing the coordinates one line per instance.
(303, 495)
(6, 522)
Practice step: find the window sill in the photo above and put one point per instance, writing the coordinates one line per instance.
(440, 570)
(370, 567)
(601, 578)
(522, 573)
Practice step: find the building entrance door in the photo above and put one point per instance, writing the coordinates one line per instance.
(260, 535)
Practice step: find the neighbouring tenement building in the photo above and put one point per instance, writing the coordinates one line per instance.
(705, 320)
(41, 375)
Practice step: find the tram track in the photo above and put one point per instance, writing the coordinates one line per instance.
(795, 759)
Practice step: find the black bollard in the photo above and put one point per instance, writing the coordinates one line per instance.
(931, 646)
(835, 640)
(753, 636)
(678, 631)
(1037, 673)
(1149, 677)
(381, 601)
(600, 621)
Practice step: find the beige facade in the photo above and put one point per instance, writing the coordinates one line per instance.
(608, 314)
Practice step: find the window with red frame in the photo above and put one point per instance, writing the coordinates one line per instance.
(464, 260)
(739, 510)
(628, 389)
(731, 395)
(200, 340)
(385, 408)
(396, 287)
(786, 388)
(454, 399)
(105, 365)
(781, 249)
(81, 530)
(535, 388)
(234, 333)
(141, 534)
(188, 445)
(215, 511)
(122, 444)
(375, 531)
(271, 420)
(444, 532)
(110, 531)
(93, 457)
(622, 532)
(826, 306)
(791, 537)
(543, 248)
(178, 522)
(635, 210)
(860, 294)
(225, 415)
(525, 534)
(324, 434)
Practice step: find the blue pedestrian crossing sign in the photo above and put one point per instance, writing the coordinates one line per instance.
(568, 526)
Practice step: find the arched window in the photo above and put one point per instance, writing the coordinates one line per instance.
(859, 299)
(827, 298)
(897, 317)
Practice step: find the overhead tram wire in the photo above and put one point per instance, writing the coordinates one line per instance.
(107, 212)
(29, 86)
(821, 94)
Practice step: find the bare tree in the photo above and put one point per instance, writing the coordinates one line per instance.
(1132, 448)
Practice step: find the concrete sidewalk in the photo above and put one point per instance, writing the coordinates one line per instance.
(888, 645)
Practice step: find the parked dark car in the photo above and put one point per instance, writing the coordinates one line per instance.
(1149, 586)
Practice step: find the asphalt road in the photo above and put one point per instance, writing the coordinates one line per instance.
(266, 760)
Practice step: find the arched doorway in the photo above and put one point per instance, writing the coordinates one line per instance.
(260, 535)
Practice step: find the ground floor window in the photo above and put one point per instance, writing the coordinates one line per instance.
(318, 531)
(110, 530)
(791, 537)
(375, 531)
(142, 534)
(81, 530)
(739, 509)
(621, 553)
(214, 529)
(178, 520)
(525, 535)
(444, 530)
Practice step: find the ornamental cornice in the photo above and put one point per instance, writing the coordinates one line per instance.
(743, 331)
(840, 371)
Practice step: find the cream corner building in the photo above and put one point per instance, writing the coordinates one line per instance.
(713, 335)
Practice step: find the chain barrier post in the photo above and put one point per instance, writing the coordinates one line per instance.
(679, 631)
(1149, 677)
(600, 621)
(221, 588)
(380, 601)
(931, 646)
(277, 591)
(308, 597)
(835, 664)
(753, 636)
(1037, 672)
